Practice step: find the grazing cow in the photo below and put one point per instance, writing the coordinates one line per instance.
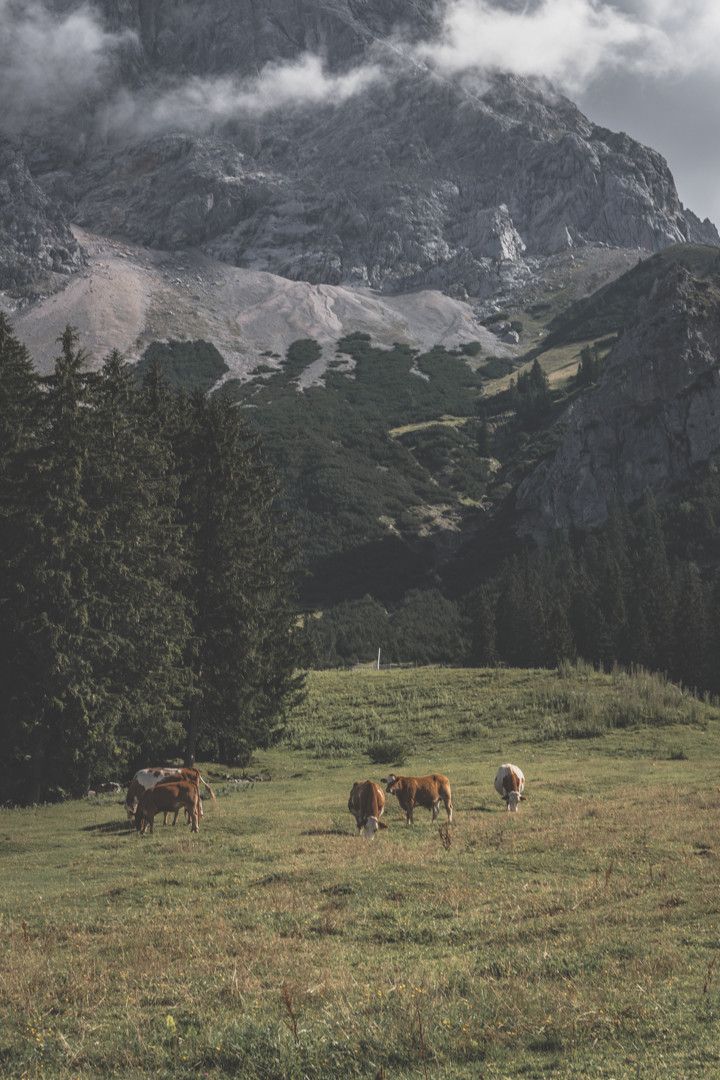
(366, 803)
(510, 784)
(145, 779)
(427, 791)
(168, 798)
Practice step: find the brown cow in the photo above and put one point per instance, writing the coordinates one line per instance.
(427, 791)
(145, 779)
(168, 798)
(366, 804)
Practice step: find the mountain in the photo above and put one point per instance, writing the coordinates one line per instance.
(414, 180)
(653, 418)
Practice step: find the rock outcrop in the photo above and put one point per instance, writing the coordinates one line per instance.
(37, 248)
(651, 419)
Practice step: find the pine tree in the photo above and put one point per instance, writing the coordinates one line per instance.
(689, 628)
(20, 435)
(483, 646)
(61, 647)
(242, 651)
(136, 569)
(653, 585)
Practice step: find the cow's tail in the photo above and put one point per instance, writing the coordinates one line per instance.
(210, 790)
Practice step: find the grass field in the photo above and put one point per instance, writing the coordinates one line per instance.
(580, 937)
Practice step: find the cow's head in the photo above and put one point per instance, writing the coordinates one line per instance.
(390, 783)
(370, 827)
(513, 800)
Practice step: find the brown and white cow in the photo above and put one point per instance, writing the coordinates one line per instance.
(366, 804)
(145, 779)
(427, 791)
(510, 784)
(168, 798)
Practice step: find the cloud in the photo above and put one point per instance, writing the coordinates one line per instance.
(57, 65)
(572, 42)
(199, 103)
(50, 63)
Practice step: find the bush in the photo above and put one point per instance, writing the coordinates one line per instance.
(388, 751)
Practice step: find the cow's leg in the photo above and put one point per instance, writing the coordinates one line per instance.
(435, 809)
(176, 816)
(409, 815)
(195, 819)
(165, 814)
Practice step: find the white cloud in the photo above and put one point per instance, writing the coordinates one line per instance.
(571, 42)
(199, 103)
(50, 63)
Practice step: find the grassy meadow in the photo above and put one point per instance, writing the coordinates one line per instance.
(578, 938)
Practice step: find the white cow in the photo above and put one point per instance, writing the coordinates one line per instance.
(510, 784)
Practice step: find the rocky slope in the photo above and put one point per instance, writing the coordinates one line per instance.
(37, 248)
(417, 181)
(653, 417)
(129, 296)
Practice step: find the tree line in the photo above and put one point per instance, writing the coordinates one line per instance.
(643, 590)
(145, 580)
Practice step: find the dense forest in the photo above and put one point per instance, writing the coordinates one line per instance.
(146, 584)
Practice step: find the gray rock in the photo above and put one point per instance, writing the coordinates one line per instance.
(37, 248)
(654, 415)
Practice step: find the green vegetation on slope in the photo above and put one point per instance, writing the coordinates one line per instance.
(185, 365)
(362, 500)
(575, 939)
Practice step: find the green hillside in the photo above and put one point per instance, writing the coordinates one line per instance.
(577, 938)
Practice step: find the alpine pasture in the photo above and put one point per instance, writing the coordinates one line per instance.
(579, 937)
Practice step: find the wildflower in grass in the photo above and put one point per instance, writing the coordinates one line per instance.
(170, 1024)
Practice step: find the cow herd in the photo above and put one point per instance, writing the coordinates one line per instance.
(367, 799)
(168, 790)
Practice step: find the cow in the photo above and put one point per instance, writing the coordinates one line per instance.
(427, 791)
(145, 779)
(168, 798)
(366, 804)
(510, 784)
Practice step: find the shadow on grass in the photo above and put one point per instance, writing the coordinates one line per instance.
(326, 832)
(109, 827)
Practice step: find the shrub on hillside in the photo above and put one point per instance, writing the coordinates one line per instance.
(385, 750)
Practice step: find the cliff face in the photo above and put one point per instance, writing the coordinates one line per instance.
(37, 249)
(653, 416)
(415, 181)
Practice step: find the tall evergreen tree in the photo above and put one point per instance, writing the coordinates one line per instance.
(653, 585)
(483, 635)
(20, 435)
(60, 645)
(242, 651)
(136, 569)
(690, 628)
